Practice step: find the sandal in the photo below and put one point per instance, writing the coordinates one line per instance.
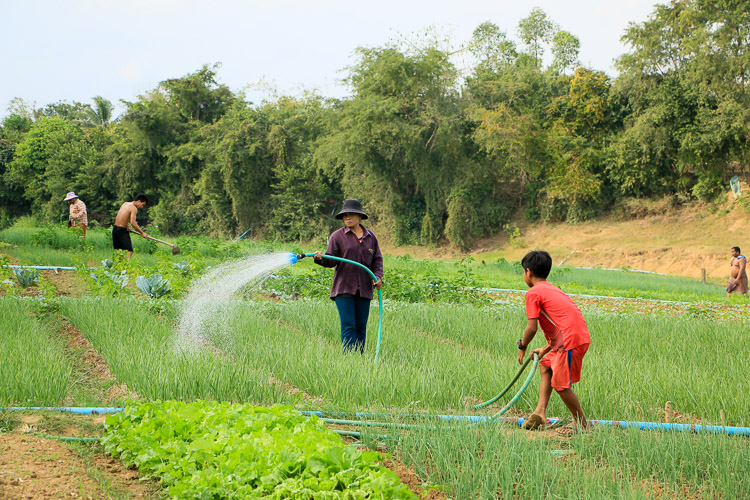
(533, 422)
(569, 430)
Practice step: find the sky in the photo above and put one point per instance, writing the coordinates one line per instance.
(73, 50)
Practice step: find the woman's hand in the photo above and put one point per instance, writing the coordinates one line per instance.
(318, 255)
(378, 284)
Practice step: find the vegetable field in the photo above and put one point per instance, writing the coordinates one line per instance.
(222, 421)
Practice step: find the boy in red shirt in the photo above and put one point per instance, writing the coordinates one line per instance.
(567, 340)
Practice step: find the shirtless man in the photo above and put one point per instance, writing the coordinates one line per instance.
(738, 282)
(126, 215)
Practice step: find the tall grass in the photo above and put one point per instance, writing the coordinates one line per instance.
(444, 357)
(34, 369)
(497, 462)
(437, 358)
(140, 350)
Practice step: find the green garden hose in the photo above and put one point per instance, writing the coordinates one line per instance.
(490, 420)
(380, 294)
(68, 439)
(502, 393)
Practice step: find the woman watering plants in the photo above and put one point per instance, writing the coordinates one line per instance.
(352, 285)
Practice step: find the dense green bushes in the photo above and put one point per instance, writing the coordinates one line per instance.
(434, 154)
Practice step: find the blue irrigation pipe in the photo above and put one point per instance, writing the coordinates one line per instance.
(81, 410)
(243, 235)
(658, 301)
(644, 426)
(293, 258)
(61, 268)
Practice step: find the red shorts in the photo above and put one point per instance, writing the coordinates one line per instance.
(566, 366)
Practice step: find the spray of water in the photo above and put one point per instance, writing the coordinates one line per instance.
(204, 313)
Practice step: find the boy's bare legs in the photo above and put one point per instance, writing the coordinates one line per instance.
(571, 401)
(545, 391)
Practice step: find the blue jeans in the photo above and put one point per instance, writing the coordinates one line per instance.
(353, 312)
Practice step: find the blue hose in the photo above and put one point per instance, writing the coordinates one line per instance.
(61, 268)
(81, 410)
(644, 426)
(293, 258)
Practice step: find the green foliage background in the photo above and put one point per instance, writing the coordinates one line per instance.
(435, 153)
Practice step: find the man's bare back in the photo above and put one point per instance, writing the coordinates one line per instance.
(126, 215)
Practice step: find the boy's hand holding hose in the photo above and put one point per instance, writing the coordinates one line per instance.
(541, 352)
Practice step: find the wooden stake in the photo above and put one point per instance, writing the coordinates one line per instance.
(721, 414)
(667, 411)
(703, 274)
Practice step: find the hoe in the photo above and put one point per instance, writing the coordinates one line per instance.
(175, 248)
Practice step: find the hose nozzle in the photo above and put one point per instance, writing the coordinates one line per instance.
(300, 256)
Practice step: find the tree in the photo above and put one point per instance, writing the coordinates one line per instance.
(395, 139)
(101, 112)
(73, 112)
(198, 96)
(535, 30)
(492, 49)
(691, 57)
(46, 164)
(565, 47)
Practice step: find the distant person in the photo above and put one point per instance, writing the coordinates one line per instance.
(352, 288)
(738, 269)
(567, 341)
(125, 216)
(78, 216)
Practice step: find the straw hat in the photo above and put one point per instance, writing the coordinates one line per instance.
(70, 196)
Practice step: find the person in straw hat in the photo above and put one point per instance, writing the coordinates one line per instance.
(78, 216)
(352, 288)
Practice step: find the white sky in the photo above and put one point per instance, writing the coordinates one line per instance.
(52, 50)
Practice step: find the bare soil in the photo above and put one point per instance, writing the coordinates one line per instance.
(91, 368)
(67, 283)
(411, 479)
(33, 467)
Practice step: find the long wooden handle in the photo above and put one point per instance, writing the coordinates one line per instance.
(152, 238)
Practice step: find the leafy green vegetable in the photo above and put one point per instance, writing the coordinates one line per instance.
(222, 450)
(155, 286)
(26, 277)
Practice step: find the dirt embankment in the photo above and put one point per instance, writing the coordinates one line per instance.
(678, 240)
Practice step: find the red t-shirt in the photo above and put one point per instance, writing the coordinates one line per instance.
(561, 320)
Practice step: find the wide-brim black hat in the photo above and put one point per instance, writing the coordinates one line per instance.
(351, 207)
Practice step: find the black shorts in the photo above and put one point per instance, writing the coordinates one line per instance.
(121, 239)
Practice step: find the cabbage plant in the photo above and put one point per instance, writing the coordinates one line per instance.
(26, 277)
(155, 286)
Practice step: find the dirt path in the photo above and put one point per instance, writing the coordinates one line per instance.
(95, 383)
(32, 467)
